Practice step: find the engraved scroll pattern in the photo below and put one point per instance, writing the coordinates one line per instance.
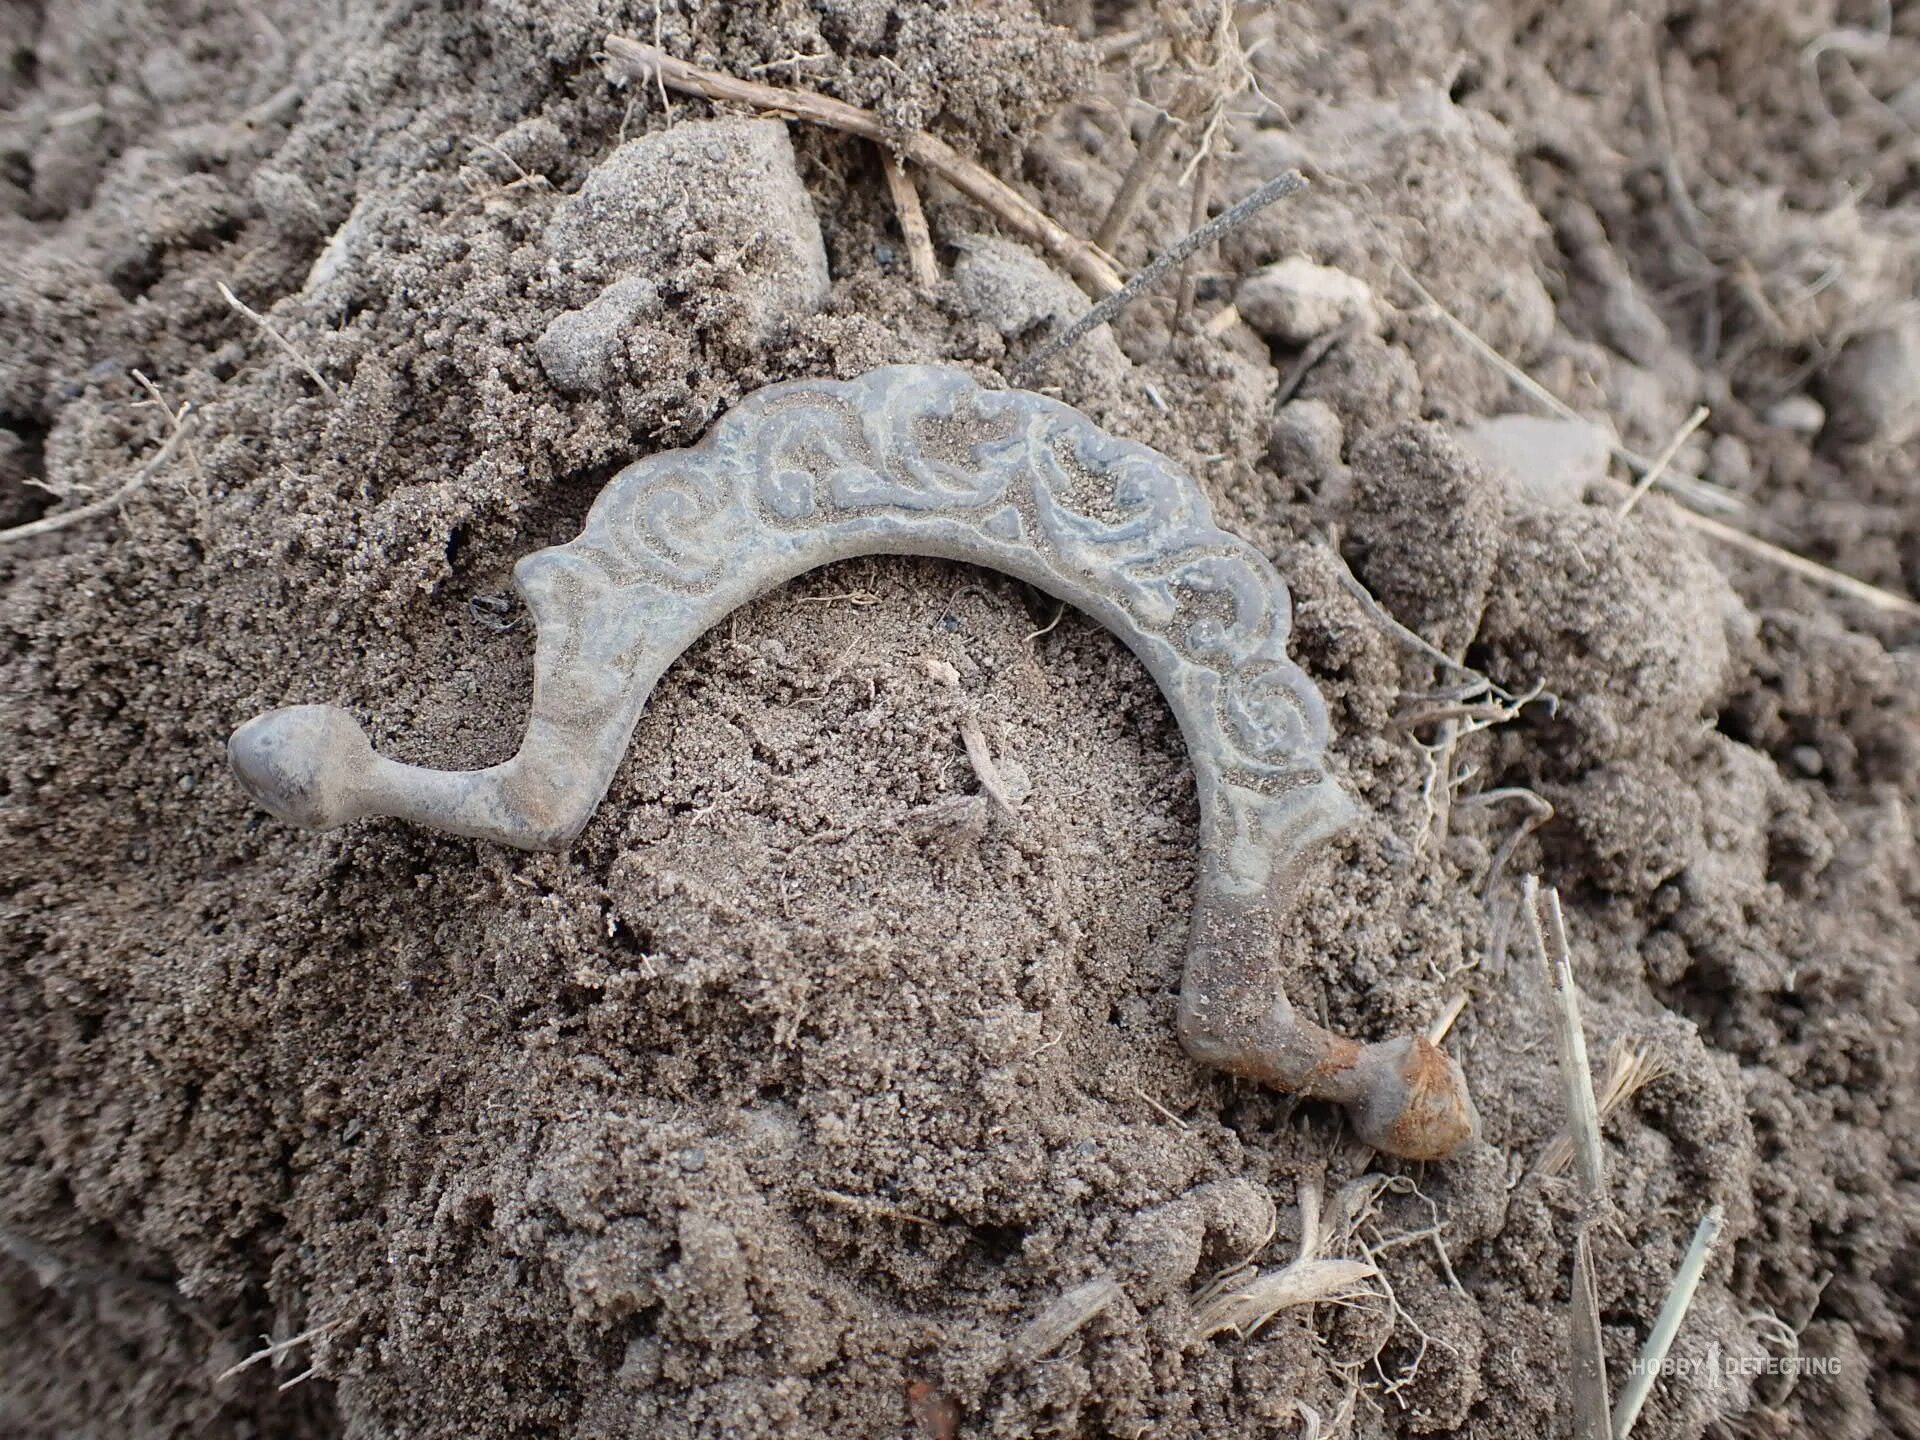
(923, 451)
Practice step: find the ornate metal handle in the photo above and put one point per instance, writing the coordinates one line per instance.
(920, 460)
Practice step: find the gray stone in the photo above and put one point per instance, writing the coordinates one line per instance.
(1011, 288)
(1799, 414)
(731, 180)
(1306, 442)
(1295, 301)
(1007, 286)
(1547, 461)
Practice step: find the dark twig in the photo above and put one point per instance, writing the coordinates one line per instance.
(1317, 350)
(1151, 273)
(1196, 217)
(1146, 164)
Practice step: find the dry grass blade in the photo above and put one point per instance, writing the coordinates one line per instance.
(1882, 600)
(1437, 1031)
(1630, 1069)
(1692, 488)
(1673, 1310)
(1236, 1301)
(1664, 458)
(1583, 1113)
(240, 307)
(1084, 261)
(1590, 1418)
(1243, 1309)
(1686, 487)
(1589, 1371)
(1056, 1324)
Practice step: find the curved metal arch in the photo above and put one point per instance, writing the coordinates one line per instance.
(921, 460)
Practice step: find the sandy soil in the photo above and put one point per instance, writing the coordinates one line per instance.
(805, 1081)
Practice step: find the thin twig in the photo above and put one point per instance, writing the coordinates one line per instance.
(1150, 273)
(1317, 350)
(1437, 1031)
(913, 220)
(47, 525)
(1146, 164)
(1673, 1311)
(1664, 459)
(241, 307)
(1084, 261)
(1196, 220)
(176, 419)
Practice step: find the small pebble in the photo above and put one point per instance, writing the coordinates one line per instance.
(1807, 759)
(1799, 414)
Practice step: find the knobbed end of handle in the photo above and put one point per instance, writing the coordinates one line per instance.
(305, 763)
(1415, 1102)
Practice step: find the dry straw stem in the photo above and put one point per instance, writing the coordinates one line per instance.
(1063, 1319)
(1691, 489)
(1196, 220)
(1152, 155)
(1085, 262)
(1630, 1069)
(1243, 1305)
(1673, 1310)
(1696, 491)
(1589, 1371)
(913, 220)
(1589, 1375)
(1583, 1114)
(1664, 458)
(242, 308)
(1437, 1031)
(1884, 601)
(47, 525)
